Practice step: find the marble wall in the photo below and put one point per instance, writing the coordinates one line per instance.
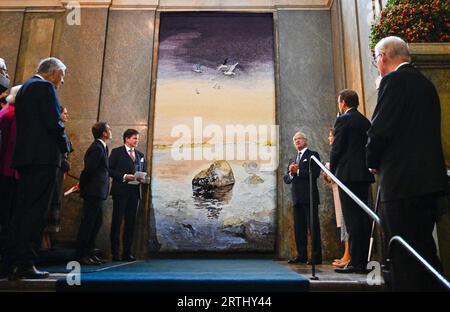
(11, 25)
(81, 48)
(306, 102)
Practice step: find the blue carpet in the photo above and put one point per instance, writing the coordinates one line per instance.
(62, 268)
(193, 275)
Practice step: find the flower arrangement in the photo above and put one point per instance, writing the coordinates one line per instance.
(413, 21)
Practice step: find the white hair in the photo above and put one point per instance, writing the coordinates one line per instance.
(11, 98)
(394, 47)
(2, 63)
(50, 64)
(301, 134)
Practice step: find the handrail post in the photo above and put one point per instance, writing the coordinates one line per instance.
(311, 222)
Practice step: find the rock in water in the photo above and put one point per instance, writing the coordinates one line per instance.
(218, 175)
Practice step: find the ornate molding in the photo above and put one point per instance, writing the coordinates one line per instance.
(430, 55)
(163, 5)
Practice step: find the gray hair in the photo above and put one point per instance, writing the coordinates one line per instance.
(50, 64)
(299, 133)
(394, 47)
(2, 63)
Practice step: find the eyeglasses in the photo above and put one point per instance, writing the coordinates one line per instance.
(375, 60)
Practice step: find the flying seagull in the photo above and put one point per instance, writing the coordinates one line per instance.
(223, 66)
(197, 68)
(230, 72)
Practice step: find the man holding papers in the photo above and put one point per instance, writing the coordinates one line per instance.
(127, 168)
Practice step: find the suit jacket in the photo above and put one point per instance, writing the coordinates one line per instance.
(41, 137)
(94, 179)
(348, 152)
(300, 183)
(120, 163)
(405, 136)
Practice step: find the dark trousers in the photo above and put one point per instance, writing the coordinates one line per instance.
(8, 191)
(357, 222)
(301, 225)
(413, 219)
(124, 209)
(90, 225)
(53, 218)
(34, 192)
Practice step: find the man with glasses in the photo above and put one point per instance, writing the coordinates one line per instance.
(405, 150)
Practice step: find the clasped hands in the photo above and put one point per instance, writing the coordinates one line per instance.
(293, 168)
(132, 177)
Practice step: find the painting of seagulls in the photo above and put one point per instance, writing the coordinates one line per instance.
(223, 66)
(230, 70)
(197, 68)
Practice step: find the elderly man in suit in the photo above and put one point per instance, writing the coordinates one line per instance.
(297, 175)
(94, 187)
(348, 163)
(40, 142)
(124, 161)
(405, 149)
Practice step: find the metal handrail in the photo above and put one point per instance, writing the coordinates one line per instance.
(420, 259)
(373, 216)
(360, 203)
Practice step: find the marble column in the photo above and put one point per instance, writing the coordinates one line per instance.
(81, 48)
(125, 93)
(305, 102)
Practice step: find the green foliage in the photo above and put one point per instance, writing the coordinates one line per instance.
(413, 21)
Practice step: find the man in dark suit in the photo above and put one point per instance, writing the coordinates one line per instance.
(124, 162)
(297, 175)
(94, 187)
(405, 149)
(348, 163)
(40, 141)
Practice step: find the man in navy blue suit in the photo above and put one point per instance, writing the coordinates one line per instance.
(94, 187)
(297, 175)
(40, 142)
(126, 192)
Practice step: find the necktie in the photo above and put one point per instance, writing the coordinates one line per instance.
(132, 155)
(299, 156)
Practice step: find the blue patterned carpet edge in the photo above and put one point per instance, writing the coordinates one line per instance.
(187, 275)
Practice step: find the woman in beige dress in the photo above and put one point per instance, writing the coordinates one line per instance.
(342, 262)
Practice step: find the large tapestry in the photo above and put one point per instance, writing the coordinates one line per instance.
(215, 143)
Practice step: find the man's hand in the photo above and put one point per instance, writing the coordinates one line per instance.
(130, 177)
(374, 171)
(293, 168)
(140, 180)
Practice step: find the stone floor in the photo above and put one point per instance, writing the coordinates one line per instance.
(328, 280)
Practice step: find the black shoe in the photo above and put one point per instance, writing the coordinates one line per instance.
(128, 258)
(297, 260)
(116, 258)
(97, 260)
(86, 260)
(6, 271)
(28, 272)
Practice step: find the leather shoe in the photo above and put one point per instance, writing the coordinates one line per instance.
(97, 260)
(28, 272)
(129, 258)
(86, 260)
(351, 269)
(297, 260)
